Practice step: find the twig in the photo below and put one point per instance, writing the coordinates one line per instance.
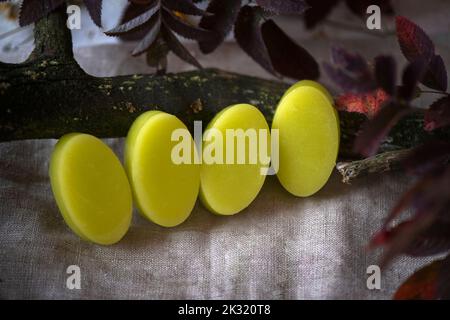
(382, 162)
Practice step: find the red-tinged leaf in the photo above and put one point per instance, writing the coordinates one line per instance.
(375, 130)
(385, 73)
(177, 48)
(150, 37)
(94, 8)
(184, 6)
(443, 280)
(318, 11)
(434, 240)
(366, 103)
(359, 7)
(438, 114)
(34, 10)
(414, 42)
(135, 22)
(222, 21)
(422, 285)
(436, 75)
(248, 35)
(287, 57)
(284, 6)
(184, 29)
(412, 75)
(427, 157)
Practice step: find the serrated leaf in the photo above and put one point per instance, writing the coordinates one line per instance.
(414, 42)
(34, 10)
(248, 35)
(385, 73)
(287, 57)
(375, 130)
(177, 48)
(135, 22)
(94, 8)
(436, 75)
(318, 11)
(222, 21)
(184, 29)
(132, 11)
(284, 6)
(421, 285)
(438, 114)
(184, 6)
(150, 37)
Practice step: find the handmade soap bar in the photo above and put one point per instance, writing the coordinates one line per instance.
(308, 127)
(227, 188)
(91, 188)
(164, 190)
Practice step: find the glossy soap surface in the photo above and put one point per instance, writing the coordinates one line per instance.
(91, 188)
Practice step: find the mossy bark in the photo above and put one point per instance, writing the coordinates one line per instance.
(49, 95)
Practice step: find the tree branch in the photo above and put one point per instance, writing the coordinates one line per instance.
(382, 162)
(52, 37)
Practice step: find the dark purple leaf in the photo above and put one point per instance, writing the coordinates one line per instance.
(359, 7)
(176, 47)
(225, 14)
(94, 8)
(184, 6)
(427, 157)
(287, 57)
(33, 10)
(443, 280)
(385, 73)
(150, 37)
(412, 75)
(375, 130)
(434, 240)
(135, 22)
(132, 11)
(350, 61)
(318, 11)
(284, 6)
(414, 42)
(403, 235)
(351, 72)
(438, 114)
(249, 36)
(184, 29)
(436, 75)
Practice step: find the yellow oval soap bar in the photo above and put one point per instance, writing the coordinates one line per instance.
(91, 188)
(229, 185)
(165, 190)
(308, 138)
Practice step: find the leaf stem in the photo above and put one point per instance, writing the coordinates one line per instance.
(435, 92)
